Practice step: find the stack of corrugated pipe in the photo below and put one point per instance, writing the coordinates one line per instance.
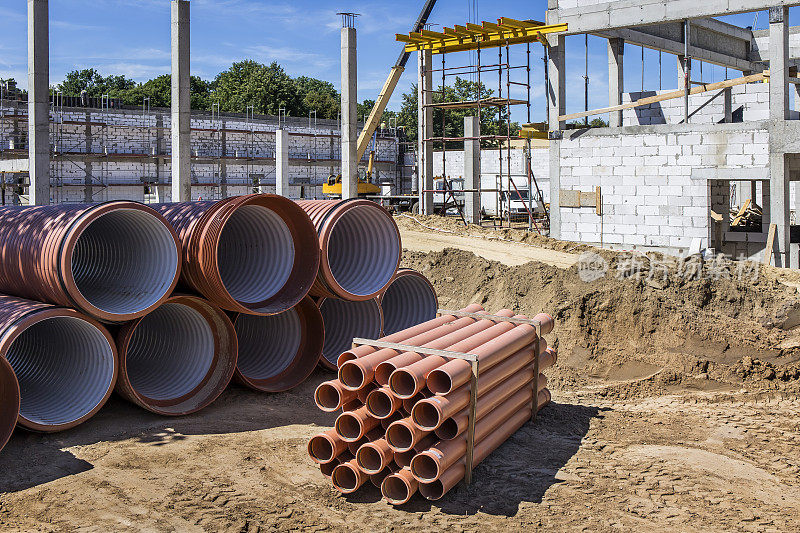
(404, 416)
(359, 289)
(168, 303)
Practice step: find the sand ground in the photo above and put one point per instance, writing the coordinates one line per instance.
(638, 435)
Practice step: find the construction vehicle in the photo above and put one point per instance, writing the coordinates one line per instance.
(333, 187)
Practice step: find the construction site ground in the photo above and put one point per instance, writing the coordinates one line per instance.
(675, 407)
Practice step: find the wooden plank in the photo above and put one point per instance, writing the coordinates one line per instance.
(738, 218)
(669, 96)
(770, 244)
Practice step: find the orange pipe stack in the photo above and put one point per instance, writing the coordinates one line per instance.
(404, 416)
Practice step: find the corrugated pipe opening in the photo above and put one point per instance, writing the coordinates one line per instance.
(409, 300)
(66, 367)
(178, 358)
(9, 401)
(278, 352)
(345, 321)
(363, 250)
(125, 261)
(255, 254)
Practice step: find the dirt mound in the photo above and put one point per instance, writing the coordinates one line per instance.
(664, 325)
(456, 226)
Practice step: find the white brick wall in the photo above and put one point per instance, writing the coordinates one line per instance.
(650, 200)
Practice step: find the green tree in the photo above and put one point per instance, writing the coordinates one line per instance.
(320, 96)
(493, 119)
(95, 84)
(265, 87)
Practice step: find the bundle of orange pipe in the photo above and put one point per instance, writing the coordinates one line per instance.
(404, 416)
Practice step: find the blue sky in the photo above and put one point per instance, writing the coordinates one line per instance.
(131, 37)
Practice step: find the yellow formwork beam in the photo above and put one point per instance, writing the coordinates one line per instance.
(474, 36)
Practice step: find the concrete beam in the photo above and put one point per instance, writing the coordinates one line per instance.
(282, 163)
(556, 98)
(425, 131)
(472, 170)
(627, 13)
(655, 41)
(349, 115)
(181, 104)
(759, 49)
(39, 101)
(615, 79)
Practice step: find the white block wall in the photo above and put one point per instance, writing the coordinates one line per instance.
(752, 98)
(649, 195)
(490, 165)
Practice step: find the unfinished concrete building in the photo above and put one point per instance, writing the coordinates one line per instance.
(666, 166)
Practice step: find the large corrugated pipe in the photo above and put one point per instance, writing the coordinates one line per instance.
(254, 254)
(115, 261)
(279, 352)
(64, 361)
(344, 321)
(360, 248)
(177, 359)
(9, 401)
(408, 300)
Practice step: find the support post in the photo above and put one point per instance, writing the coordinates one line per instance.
(38, 102)
(349, 115)
(785, 255)
(556, 87)
(728, 105)
(282, 163)
(425, 131)
(472, 170)
(181, 104)
(615, 80)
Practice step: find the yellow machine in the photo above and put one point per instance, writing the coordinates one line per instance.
(333, 187)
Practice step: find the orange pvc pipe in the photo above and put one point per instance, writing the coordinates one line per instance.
(328, 468)
(458, 423)
(355, 373)
(382, 404)
(401, 336)
(403, 435)
(372, 435)
(409, 403)
(348, 478)
(456, 372)
(326, 447)
(436, 489)
(386, 422)
(363, 393)
(353, 425)
(331, 395)
(403, 459)
(399, 487)
(377, 479)
(374, 456)
(548, 359)
(428, 414)
(407, 381)
(546, 322)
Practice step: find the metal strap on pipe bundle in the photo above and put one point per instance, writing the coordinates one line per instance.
(114, 261)
(63, 366)
(254, 254)
(411, 430)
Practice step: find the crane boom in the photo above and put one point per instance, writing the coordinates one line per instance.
(388, 88)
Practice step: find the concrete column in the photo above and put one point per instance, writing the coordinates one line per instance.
(88, 192)
(615, 79)
(282, 163)
(223, 165)
(785, 255)
(181, 104)
(39, 102)
(425, 131)
(556, 97)
(728, 105)
(472, 170)
(349, 115)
